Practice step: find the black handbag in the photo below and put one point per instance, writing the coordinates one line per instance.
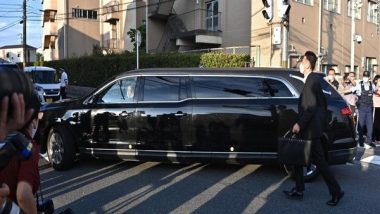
(293, 150)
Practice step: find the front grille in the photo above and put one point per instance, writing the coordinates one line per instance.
(51, 91)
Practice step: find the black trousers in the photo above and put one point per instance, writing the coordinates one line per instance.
(63, 92)
(318, 158)
(376, 124)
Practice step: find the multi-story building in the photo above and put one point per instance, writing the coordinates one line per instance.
(14, 53)
(335, 34)
(183, 25)
(75, 27)
(237, 26)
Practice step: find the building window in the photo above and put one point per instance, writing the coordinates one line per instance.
(348, 69)
(308, 2)
(370, 62)
(212, 16)
(332, 5)
(327, 67)
(86, 14)
(358, 14)
(372, 12)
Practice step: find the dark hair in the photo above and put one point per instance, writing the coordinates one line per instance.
(376, 78)
(312, 58)
(35, 105)
(346, 76)
(15, 81)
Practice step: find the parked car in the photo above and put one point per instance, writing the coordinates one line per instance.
(46, 82)
(190, 115)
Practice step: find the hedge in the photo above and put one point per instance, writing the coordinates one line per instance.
(94, 70)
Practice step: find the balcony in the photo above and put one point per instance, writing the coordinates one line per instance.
(49, 5)
(160, 9)
(112, 44)
(49, 41)
(111, 12)
(49, 15)
(203, 25)
(50, 28)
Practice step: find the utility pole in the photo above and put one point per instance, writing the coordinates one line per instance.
(353, 14)
(320, 14)
(24, 33)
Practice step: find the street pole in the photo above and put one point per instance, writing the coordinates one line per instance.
(320, 35)
(24, 33)
(138, 35)
(353, 13)
(285, 46)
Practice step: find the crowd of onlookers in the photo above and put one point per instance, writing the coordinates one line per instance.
(364, 100)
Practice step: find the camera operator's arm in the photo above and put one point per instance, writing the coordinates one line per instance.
(4, 192)
(19, 116)
(25, 198)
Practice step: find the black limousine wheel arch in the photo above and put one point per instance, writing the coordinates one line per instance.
(60, 148)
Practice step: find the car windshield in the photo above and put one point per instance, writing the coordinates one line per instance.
(45, 77)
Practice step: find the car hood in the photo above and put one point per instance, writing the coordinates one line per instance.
(62, 104)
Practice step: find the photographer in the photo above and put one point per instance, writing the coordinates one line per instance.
(22, 176)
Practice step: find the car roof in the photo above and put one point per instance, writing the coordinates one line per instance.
(39, 68)
(275, 72)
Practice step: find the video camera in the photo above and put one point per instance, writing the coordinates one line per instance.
(14, 143)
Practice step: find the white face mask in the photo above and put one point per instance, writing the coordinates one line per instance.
(302, 69)
(331, 78)
(365, 79)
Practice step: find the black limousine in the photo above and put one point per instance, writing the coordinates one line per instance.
(190, 115)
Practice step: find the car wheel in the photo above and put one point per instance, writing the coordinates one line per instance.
(310, 172)
(60, 148)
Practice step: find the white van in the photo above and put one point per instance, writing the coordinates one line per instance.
(46, 82)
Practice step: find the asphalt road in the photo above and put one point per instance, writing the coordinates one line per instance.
(101, 186)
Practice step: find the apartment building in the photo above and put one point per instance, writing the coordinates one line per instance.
(14, 53)
(335, 34)
(183, 25)
(74, 28)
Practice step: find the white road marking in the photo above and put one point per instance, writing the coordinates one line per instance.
(374, 159)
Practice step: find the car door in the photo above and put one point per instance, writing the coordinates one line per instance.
(113, 122)
(163, 118)
(233, 115)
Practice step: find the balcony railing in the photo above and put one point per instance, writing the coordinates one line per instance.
(160, 9)
(111, 11)
(197, 22)
(111, 44)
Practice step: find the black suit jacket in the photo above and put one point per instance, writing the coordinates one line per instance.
(312, 108)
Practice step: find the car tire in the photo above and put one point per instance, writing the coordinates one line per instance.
(60, 148)
(310, 172)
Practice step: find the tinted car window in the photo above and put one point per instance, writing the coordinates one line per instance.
(328, 89)
(164, 89)
(237, 87)
(277, 88)
(121, 91)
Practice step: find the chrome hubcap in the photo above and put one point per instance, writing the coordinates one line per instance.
(56, 148)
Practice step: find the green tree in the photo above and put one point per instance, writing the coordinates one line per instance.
(132, 34)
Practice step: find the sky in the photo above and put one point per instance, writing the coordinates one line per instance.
(11, 30)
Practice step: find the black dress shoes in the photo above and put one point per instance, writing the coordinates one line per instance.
(294, 194)
(335, 199)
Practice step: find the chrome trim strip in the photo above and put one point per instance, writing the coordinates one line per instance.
(288, 85)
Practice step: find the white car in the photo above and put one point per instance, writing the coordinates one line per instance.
(46, 82)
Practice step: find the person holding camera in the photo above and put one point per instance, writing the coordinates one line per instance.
(22, 176)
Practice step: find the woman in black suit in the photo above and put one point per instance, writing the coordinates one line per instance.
(312, 110)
